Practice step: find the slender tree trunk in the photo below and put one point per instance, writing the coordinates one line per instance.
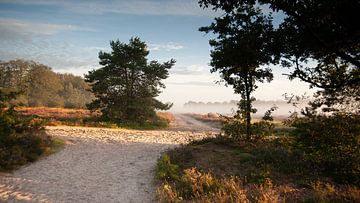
(248, 107)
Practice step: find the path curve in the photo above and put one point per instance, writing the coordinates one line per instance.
(96, 165)
(185, 122)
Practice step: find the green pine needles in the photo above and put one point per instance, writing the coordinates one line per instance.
(126, 85)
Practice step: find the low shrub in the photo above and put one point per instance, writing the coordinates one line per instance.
(22, 139)
(165, 170)
(332, 145)
(269, 170)
(196, 186)
(236, 129)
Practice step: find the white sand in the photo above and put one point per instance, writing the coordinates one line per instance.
(98, 165)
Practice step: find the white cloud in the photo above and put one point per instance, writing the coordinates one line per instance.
(33, 41)
(194, 83)
(10, 28)
(138, 7)
(190, 70)
(166, 46)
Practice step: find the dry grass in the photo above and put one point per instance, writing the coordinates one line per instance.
(46, 112)
(205, 187)
(245, 172)
(209, 117)
(213, 119)
(76, 117)
(166, 116)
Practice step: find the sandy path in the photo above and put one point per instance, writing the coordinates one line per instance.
(185, 122)
(97, 165)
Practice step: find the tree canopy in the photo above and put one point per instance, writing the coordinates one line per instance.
(39, 85)
(126, 85)
(239, 55)
(318, 39)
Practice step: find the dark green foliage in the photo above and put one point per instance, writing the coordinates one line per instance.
(165, 170)
(151, 124)
(236, 129)
(22, 140)
(332, 144)
(318, 39)
(126, 86)
(38, 85)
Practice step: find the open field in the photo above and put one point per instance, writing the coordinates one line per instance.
(75, 117)
(56, 113)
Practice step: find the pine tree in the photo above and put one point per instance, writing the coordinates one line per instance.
(126, 85)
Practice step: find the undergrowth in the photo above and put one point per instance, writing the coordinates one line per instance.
(22, 138)
(268, 170)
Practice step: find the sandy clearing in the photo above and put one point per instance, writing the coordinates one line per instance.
(97, 165)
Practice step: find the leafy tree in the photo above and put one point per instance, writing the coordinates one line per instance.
(75, 91)
(39, 85)
(44, 87)
(319, 39)
(126, 85)
(239, 54)
(14, 76)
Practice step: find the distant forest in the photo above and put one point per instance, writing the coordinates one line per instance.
(230, 107)
(39, 85)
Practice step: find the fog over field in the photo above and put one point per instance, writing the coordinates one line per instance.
(230, 107)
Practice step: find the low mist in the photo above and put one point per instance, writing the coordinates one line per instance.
(229, 108)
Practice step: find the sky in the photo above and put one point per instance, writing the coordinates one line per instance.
(68, 35)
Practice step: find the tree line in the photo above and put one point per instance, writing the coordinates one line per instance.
(123, 89)
(39, 85)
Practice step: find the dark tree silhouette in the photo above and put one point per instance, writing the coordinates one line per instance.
(239, 54)
(319, 39)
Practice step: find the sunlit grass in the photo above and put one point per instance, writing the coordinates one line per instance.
(222, 170)
(86, 118)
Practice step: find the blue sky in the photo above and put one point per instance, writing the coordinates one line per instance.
(67, 36)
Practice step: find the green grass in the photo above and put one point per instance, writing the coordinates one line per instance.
(56, 145)
(158, 124)
(95, 122)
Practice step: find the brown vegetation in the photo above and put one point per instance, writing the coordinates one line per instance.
(166, 116)
(213, 119)
(75, 117)
(219, 170)
(46, 112)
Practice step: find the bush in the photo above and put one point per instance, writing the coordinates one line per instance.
(236, 129)
(22, 139)
(165, 170)
(332, 143)
(196, 186)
